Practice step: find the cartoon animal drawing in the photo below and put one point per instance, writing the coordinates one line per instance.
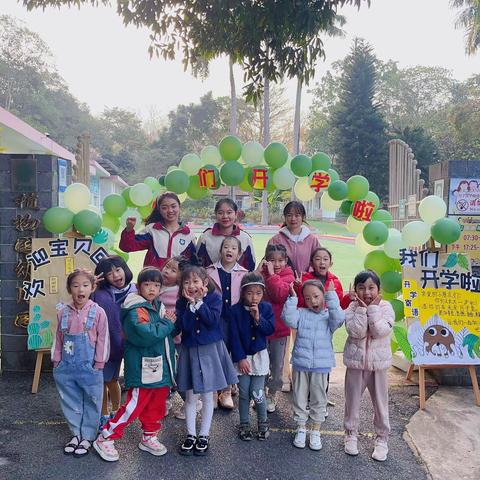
(438, 340)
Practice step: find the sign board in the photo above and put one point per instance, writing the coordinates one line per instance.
(469, 241)
(442, 308)
(401, 209)
(464, 196)
(52, 260)
(412, 206)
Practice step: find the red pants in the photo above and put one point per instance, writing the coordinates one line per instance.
(149, 405)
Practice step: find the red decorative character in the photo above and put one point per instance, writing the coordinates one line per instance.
(320, 180)
(207, 178)
(362, 210)
(260, 178)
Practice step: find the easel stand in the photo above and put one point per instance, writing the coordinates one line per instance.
(421, 380)
(38, 368)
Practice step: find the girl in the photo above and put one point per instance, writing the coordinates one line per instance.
(208, 247)
(79, 352)
(226, 274)
(149, 368)
(313, 357)
(296, 237)
(113, 285)
(367, 356)
(204, 365)
(252, 320)
(164, 235)
(278, 277)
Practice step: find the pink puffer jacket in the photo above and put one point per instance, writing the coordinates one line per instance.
(368, 342)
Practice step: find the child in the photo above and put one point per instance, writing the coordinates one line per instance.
(313, 357)
(296, 237)
(226, 275)
(208, 247)
(252, 320)
(164, 235)
(113, 285)
(367, 356)
(79, 352)
(278, 277)
(204, 365)
(149, 368)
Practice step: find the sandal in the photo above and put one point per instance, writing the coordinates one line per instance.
(245, 432)
(82, 449)
(70, 447)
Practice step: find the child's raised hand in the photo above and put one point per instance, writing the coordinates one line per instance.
(293, 293)
(187, 296)
(298, 279)
(254, 312)
(98, 279)
(270, 268)
(244, 367)
(360, 302)
(261, 266)
(131, 221)
(331, 287)
(376, 301)
(170, 314)
(351, 293)
(201, 292)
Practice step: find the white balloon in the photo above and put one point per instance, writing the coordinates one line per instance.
(252, 153)
(303, 191)
(354, 225)
(431, 209)
(328, 203)
(416, 233)
(77, 197)
(394, 243)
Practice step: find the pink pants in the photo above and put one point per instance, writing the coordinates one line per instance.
(377, 383)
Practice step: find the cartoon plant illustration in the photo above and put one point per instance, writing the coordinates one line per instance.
(457, 259)
(472, 342)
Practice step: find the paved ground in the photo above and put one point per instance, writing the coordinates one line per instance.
(32, 432)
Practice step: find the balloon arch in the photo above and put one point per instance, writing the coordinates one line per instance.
(252, 167)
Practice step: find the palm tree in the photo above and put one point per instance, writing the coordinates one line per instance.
(469, 20)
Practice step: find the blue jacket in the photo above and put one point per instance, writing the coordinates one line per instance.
(201, 327)
(247, 338)
(313, 347)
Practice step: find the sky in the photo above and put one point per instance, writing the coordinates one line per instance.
(106, 64)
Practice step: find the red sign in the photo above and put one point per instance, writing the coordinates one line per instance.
(259, 178)
(362, 210)
(207, 178)
(320, 180)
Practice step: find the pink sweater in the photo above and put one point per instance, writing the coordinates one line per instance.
(299, 247)
(169, 296)
(98, 334)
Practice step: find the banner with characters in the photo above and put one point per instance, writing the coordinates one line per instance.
(51, 261)
(464, 196)
(442, 307)
(469, 241)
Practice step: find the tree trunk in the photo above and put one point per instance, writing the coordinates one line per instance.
(266, 141)
(296, 124)
(233, 112)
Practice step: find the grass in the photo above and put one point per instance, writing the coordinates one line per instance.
(347, 262)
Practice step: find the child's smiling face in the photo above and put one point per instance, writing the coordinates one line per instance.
(367, 292)
(226, 215)
(193, 284)
(230, 252)
(314, 298)
(278, 260)
(321, 263)
(116, 277)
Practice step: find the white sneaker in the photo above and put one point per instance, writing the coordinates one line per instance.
(300, 437)
(271, 404)
(351, 446)
(315, 441)
(152, 445)
(380, 451)
(106, 449)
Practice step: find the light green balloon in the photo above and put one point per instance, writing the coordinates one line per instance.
(416, 233)
(110, 222)
(394, 243)
(141, 194)
(372, 197)
(77, 197)
(245, 185)
(334, 176)
(357, 187)
(252, 154)
(378, 261)
(329, 204)
(431, 209)
(153, 183)
(230, 148)
(177, 181)
(87, 222)
(57, 219)
(362, 245)
(383, 216)
(210, 156)
(145, 211)
(283, 178)
(355, 226)
(231, 173)
(303, 191)
(114, 204)
(126, 196)
(190, 164)
(195, 191)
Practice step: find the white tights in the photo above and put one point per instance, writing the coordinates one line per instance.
(191, 412)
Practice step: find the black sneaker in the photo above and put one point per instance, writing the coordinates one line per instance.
(245, 432)
(263, 431)
(188, 445)
(201, 446)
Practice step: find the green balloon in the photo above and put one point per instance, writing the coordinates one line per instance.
(230, 148)
(346, 207)
(372, 197)
(391, 281)
(283, 178)
(216, 173)
(446, 231)
(112, 223)
(383, 216)
(195, 191)
(126, 196)
(375, 233)
(57, 219)
(161, 181)
(177, 181)
(145, 211)
(338, 190)
(301, 165)
(398, 308)
(190, 164)
(321, 161)
(378, 261)
(141, 194)
(357, 187)
(245, 184)
(334, 176)
(87, 222)
(276, 154)
(210, 155)
(153, 183)
(115, 205)
(121, 253)
(231, 173)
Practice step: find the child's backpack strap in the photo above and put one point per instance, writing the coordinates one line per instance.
(91, 317)
(64, 319)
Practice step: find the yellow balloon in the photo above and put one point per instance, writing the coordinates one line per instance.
(354, 225)
(77, 197)
(303, 191)
(329, 204)
(182, 197)
(362, 245)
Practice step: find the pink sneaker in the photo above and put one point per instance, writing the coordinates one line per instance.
(152, 445)
(106, 449)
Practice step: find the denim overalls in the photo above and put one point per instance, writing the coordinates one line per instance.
(80, 385)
